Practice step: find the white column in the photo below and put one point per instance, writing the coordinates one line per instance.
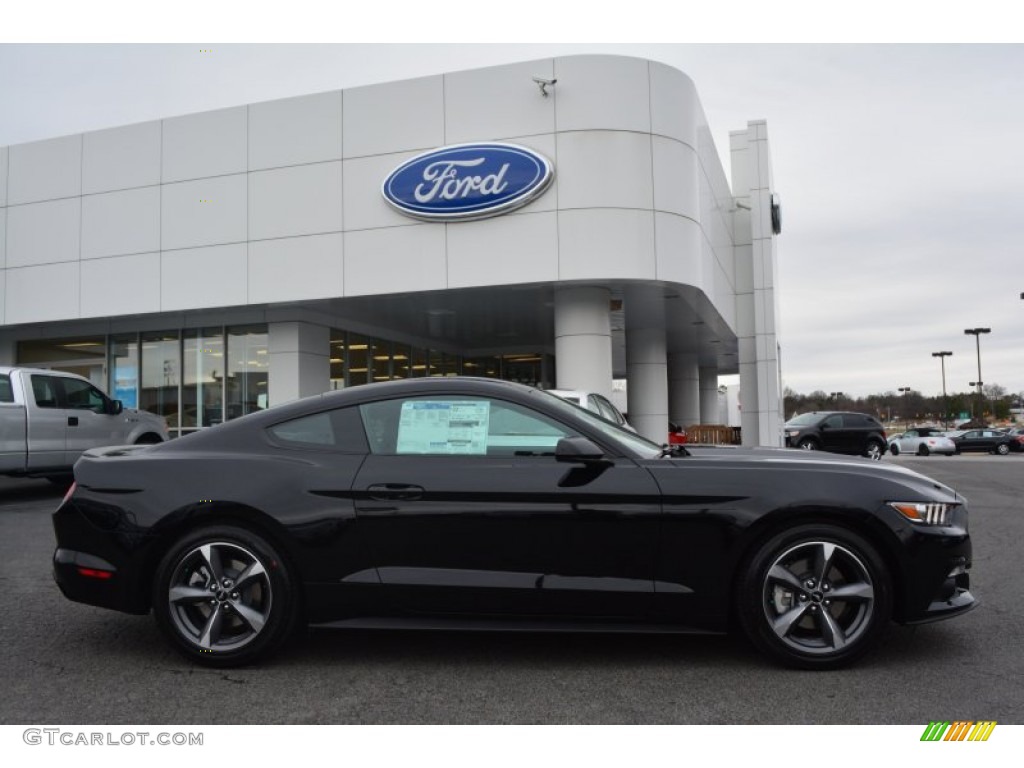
(299, 360)
(709, 395)
(646, 364)
(684, 390)
(583, 339)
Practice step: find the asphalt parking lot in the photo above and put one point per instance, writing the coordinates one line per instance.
(73, 664)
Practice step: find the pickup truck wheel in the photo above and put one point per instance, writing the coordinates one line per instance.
(224, 597)
(814, 596)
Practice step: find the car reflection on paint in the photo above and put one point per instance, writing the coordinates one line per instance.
(480, 504)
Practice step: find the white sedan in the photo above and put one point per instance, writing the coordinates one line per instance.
(923, 441)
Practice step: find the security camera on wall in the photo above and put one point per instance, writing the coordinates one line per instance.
(544, 83)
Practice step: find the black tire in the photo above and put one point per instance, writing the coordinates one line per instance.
(1002, 449)
(875, 450)
(808, 444)
(791, 615)
(223, 625)
(894, 449)
(923, 451)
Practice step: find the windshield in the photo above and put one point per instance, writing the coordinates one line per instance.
(641, 445)
(804, 420)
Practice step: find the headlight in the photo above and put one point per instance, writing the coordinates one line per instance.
(792, 432)
(930, 513)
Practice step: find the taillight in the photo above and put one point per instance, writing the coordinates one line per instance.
(68, 495)
(94, 573)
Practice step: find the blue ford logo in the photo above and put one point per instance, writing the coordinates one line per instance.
(467, 181)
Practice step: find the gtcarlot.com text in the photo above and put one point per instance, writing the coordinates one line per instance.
(62, 737)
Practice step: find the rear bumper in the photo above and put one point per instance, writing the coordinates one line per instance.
(89, 579)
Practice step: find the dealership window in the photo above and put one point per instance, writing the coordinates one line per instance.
(85, 356)
(488, 367)
(124, 369)
(245, 388)
(359, 360)
(160, 376)
(418, 362)
(202, 388)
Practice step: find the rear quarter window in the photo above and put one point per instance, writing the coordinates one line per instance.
(6, 390)
(338, 430)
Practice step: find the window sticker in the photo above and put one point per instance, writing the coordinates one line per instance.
(453, 427)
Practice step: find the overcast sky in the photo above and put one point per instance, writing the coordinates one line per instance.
(900, 168)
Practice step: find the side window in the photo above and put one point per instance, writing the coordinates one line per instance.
(911, 433)
(6, 392)
(833, 422)
(338, 430)
(444, 426)
(82, 395)
(43, 391)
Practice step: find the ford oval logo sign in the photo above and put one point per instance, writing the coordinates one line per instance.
(468, 181)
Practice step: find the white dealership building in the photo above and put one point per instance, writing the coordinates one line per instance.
(207, 265)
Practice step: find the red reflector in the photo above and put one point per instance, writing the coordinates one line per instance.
(92, 573)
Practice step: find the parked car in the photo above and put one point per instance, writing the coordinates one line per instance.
(984, 440)
(48, 418)
(676, 434)
(484, 504)
(1016, 435)
(922, 441)
(856, 434)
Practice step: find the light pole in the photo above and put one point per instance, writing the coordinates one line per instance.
(905, 391)
(978, 385)
(945, 406)
(976, 333)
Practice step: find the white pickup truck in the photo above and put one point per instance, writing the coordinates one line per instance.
(48, 418)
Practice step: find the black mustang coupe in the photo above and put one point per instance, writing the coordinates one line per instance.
(482, 504)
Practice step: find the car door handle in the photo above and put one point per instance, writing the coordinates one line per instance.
(393, 491)
(72, 421)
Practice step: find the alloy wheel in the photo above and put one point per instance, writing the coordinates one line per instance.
(219, 597)
(818, 598)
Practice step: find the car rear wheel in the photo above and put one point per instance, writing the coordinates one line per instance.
(874, 450)
(224, 597)
(815, 596)
(1002, 449)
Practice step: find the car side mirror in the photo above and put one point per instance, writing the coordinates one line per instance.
(115, 407)
(578, 450)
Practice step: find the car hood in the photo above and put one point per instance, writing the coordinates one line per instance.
(812, 466)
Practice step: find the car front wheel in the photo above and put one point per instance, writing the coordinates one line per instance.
(224, 597)
(815, 596)
(808, 444)
(894, 449)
